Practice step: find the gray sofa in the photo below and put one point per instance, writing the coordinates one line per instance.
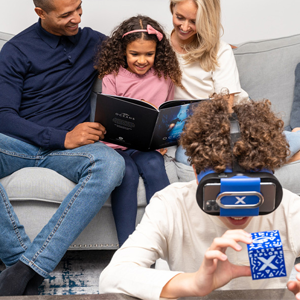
(266, 71)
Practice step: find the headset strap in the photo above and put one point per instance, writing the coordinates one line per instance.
(235, 135)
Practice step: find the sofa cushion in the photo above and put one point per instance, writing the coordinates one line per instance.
(4, 37)
(45, 185)
(38, 184)
(267, 69)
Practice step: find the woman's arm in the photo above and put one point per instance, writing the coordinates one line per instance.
(226, 74)
(230, 102)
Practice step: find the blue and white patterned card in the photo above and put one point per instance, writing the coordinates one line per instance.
(266, 255)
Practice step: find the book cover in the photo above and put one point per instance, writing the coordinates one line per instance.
(140, 125)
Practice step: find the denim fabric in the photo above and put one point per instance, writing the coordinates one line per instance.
(181, 157)
(293, 139)
(150, 165)
(124, 200)
(96, 169)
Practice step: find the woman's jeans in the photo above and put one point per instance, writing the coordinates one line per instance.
(96, 169)
(293, 139)
(150, 165)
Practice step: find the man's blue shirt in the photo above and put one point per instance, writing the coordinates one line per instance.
(45, 84)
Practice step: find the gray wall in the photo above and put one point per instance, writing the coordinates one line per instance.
(243, 20)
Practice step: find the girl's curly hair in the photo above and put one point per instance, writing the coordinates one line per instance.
(206, 136)
(111, 53)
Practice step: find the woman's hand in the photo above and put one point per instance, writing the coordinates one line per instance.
(294, 286)
(296, 129)
(215, 270)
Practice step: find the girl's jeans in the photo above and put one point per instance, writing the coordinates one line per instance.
(150, 165)
(96, 169)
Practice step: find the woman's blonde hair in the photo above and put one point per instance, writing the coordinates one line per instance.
(205, 45)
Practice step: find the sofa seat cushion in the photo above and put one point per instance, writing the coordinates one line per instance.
(38, 184)
(41, 184)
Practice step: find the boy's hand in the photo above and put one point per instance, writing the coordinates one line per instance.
(84, 134)
(215, 270)
(294, 286)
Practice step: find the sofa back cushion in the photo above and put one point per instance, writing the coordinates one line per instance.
(4, 37)
(267, 69)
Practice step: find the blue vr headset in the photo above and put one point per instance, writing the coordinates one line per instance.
(237, 193)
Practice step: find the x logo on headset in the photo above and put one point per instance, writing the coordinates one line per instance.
(237, 193)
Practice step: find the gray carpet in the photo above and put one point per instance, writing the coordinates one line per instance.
(76, 274)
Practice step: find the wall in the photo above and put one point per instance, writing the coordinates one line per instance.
(243, 20)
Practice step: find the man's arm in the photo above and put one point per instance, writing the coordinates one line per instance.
(14, 68)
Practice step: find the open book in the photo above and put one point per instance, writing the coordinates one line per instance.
(140, 125)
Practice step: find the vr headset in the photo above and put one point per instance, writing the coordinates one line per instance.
(237, 193)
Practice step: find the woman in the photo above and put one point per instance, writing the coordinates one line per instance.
(208, 64)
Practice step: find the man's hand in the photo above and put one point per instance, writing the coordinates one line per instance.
(215, 270)
(294, 286)
(163, 151)
(84, 134)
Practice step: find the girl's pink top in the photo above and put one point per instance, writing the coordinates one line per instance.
(147, 87)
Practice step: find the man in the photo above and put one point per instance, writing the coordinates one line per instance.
(46, 75)
(204, 251)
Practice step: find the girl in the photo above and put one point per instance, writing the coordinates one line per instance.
(137, 61)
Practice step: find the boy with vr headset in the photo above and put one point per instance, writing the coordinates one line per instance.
(206, 246)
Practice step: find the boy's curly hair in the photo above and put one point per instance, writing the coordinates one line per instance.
(206, 136)
(111, 53)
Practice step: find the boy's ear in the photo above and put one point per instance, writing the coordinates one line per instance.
(40, 12)
(196, 175)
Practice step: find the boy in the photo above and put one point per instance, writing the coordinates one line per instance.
(174, 228)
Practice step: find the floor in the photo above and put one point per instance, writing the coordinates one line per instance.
(78, 273)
